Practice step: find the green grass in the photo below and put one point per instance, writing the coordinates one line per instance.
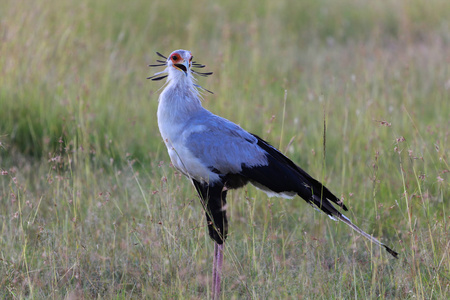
(90, 207)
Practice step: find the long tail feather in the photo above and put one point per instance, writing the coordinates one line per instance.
(366, 235)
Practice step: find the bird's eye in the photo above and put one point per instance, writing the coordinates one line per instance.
(174, 57)
(190, 59)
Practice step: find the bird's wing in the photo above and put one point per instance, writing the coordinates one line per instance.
(221, 145)
(225, 148)
(281, 175)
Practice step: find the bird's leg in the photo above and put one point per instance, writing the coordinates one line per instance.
(217, 270)
(213, 198)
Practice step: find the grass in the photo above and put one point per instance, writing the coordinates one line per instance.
(90, 207)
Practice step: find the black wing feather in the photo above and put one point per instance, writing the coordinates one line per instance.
(283, 175)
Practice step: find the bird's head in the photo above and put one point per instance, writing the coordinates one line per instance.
(179, 66)
(180, 60)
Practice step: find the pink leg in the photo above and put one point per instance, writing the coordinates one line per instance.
(217, 270)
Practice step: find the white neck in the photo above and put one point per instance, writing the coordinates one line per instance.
(177, 104)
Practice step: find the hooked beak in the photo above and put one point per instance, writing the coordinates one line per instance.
(183, 67)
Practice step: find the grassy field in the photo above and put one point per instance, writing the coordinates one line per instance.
(90, 207)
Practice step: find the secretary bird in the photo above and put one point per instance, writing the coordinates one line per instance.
(218, 155)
